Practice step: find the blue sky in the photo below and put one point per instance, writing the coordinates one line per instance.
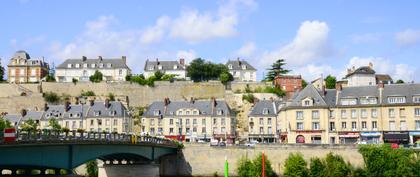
(315, 37)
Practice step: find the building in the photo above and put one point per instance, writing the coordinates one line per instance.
(95, 116)
(366, 75)
(349, 115)
(190, 120)
(319, 83)
(288, 83)
(114, 69)
(23, 69)
(263, 121)
(177, 68)
(242, 71)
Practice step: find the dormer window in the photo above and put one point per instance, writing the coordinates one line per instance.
(109, 65)
(187, 112)
(175, 66)
(156, 112)
(179, 112)
(265, 111)
(97, 113)
(416, 99)
(396, 99)
(93, 65)
(69, 65)
(195, 112)
(77, 65)
(307, 102)
(348, 101)
(151, 68)
(85, 65)
(230, 66)
(101, 65)
(219, 112)
(368, 100)
(160, 67)
(244, 67)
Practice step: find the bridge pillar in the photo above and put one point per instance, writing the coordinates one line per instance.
(128, 170)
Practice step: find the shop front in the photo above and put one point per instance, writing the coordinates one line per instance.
(398, 137)
(414, 137)
(370, 137)
(348, 137)
(262, 138)
(176, 137)
(228, 138)
(311, 136)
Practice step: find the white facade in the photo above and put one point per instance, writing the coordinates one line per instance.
(361, 80)
(180, 74)
(83, 74)
(244, 75)
(177, 68)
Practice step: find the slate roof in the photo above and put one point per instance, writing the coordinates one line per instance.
(382, 77)
(21, 54)
(115, 63)
(308, 92)
(57, 111)
(258, 108)
(362, 70)
(166, 65)
(14, 118)
(237, 65)
(406, 90)
(204, 106)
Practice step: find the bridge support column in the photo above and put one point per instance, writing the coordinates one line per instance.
(128, 170)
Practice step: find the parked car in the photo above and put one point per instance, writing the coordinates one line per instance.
(250, 144)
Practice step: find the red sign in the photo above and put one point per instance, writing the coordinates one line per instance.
(176, 137)
(9, 135)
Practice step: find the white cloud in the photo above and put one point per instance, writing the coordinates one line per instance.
(408, 37)
(247, 50)
(187, 55)
(155, 33)
(310, 43)
(311, 72)
(366, 38)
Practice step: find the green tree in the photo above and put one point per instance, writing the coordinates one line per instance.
(225, 77)
(50, 78)
(29, 125)
(4, 124)
(245, 167)
(304, 83)
(248, 97)
(399, 81)
(51, 97)
(128, 77)
(1, 72)
(168, 77)
(96, 77)
(295, 166)
(336, 166)
(74, 80)
(158, 75)
(53, 123)
(330, 82)
(317, 167)
(275, 90)
(87, 93)
(276, 69)
(111, 96)
(248, 168)
(201, 70)
(92, 168)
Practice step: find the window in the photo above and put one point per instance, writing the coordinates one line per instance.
(171, 130)
(315, 126)
(115, 121)
(391, 125)
(374, 125)
(175, 66)
(223, 122)
(416, 99)
(367, 100)
(315, 114)
(244, 67)
(194, 121)
(332, 126)
(268, 121)
(331, 114)
(93, 65)
(299, 115)
(417, 124)
(343, 125)
(107, 122)
(219, 112)
(348, 101)
(33, 72)
(265, 111)
(152, 122)
(171, 121)
(85, 65)
(156, 112)
(417, 112)
(195, 112)
(374, 113)
(187, 130)
(179, 112)
(353, 125)
(364, 125)
(299, 126)
(81, 124)
(69, 65)
(97, 113)
(109, 65)
(67, 124)
(194, 129)
(402, 112)
(152, 131)
(91, 122)
(261, 121)
(214, 121)
(261, 130)
(77, 65)
(363, 113)
(403, 125)
(270, 130)
(120, 72)
(395, 99)
(353, 113)
(230, 66)
(391, 113)
(187, 112)
(343, 114)
(203, 129)
(99, 122)
(203, 121)
(187, 122)
(74, 125)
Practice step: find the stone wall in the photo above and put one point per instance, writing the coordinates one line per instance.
(203, 160)
(240, 86)
(17, 103)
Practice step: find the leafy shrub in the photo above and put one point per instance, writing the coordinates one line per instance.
(295, 166)
(96, 77)
(248, 168)
(51, 97)
(87, 93)
(248, 97)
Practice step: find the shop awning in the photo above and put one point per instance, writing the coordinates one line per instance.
(348, 136)
(370, 133)
(396, 136)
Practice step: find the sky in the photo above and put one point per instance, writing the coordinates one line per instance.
(314, 37)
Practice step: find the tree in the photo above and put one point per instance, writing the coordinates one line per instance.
(245, 167)
(50, 78)
(248, 97)
(317, 167)
(1, 72)
(275, 90)
(159, 75)
(87, 93)
(111, 96)
(225, 77)
(336, 166)
(295, 166)
(51, 97)
(29, 125)
(4, 124)
(92, 168)
(248, 168)
(330, 82)
(74, 80)
(276, 69)
(96, 77)
(53, 123)
(399, 81)
(304, 83)
(201, 70)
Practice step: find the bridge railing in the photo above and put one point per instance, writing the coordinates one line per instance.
(56, 136)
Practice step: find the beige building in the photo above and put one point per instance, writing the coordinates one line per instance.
(264, 125)
(190, 120)
(23, 69)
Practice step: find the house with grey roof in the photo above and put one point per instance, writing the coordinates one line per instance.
(23, 69)
(242, 71)
(191, 121)
(18, 119)
(263, 122)
(112, 69)
(177, 68)
(365, 75)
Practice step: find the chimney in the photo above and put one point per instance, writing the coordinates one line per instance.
(66, 106)
(107, 103)
(23, 112)
(381, 87)
(182, 61)
(45, 107)
(100, 58)
(76, 102)
(124, 59)
(166, 101)
(338, 87)
(91, 102)
(370, 65)
(192, 100)
(84, 58)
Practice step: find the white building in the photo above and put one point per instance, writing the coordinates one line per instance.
(177, 68)
(115, 69)
(242, 71)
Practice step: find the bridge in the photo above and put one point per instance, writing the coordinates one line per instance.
(41, 152)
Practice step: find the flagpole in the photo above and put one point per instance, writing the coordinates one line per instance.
(263, 165)
(226, 167)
